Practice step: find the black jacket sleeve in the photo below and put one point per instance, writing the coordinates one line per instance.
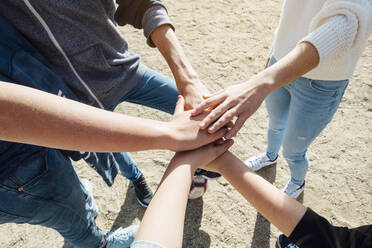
(315, 231)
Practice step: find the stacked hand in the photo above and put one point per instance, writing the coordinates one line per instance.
(185, 130)
(239, 101)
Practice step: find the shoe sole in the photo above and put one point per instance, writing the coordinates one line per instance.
(143, 205)
(246, 164)
(277, 244)
(209, 178)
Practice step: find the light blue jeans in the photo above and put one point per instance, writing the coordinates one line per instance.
(155, 91)
(298, 112)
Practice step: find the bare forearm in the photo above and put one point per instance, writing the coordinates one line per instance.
(276, 206)
(163, 222)
(35, 117)
(302, 59)
(166, 41)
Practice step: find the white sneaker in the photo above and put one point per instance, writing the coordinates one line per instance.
(258, 162)
(92, 205)
(294, 190)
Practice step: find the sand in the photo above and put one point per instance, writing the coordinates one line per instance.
(227, 42)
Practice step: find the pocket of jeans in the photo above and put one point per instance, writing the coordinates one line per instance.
(27, 175)
(329, 88)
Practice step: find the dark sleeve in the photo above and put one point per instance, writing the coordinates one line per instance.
(315, 231)
(142, 14)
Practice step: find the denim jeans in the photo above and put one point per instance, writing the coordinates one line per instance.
(47, 191)
(298, 112)
(155, 91)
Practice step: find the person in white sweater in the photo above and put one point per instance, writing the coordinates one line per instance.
(316, 48)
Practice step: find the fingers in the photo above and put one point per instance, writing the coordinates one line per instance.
(180, 105)
(218, 135)
(235, 129)
(221, 148)
(219, 141)
(210, 102)
(227, 117)
(230, 124)
(214, 94)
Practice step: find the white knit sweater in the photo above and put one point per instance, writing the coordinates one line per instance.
(338, 29)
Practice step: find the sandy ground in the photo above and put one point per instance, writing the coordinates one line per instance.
(227, 42)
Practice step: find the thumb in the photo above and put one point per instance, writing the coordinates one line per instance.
(180, 105)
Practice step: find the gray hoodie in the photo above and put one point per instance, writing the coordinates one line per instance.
(80, 40)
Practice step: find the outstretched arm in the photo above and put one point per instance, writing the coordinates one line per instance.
(34, 117)
(242, 100)
(280, 209)
(164, 218)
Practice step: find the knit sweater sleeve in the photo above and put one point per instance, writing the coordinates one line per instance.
(339, 26)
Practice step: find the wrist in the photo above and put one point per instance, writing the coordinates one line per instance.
(265, 82)
(167, 138)
(185, 76)
(182, 159)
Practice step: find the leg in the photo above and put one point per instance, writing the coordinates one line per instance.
(48, 192)
(277, 104)
(155, 91)
(312, 107)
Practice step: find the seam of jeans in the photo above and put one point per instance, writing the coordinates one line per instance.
(12, 216)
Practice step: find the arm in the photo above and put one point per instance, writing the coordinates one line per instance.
(187, 80)
(164, 218)
(151, 15)
(244, 99)
(302, 225)
(35, 117)
(334, 31)
(280, 209)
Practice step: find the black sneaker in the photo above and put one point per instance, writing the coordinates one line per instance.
(143, 191)
(283, 242)
(207, 174)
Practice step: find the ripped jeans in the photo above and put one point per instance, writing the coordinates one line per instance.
(298, 112)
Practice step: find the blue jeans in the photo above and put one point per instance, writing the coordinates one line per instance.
(46, 191)
(298, 112)
(155, 91)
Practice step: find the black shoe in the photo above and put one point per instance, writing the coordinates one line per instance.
(143, 191)
(207, 174)
(283, 242)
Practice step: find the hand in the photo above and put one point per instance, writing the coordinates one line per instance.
(185, 132)
(193, 92)
(240, 101)
(202, 156)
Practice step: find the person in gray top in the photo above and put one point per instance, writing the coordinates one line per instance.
(81, 42)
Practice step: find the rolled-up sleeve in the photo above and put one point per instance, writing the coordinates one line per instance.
(153, 18)
(142, 14)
